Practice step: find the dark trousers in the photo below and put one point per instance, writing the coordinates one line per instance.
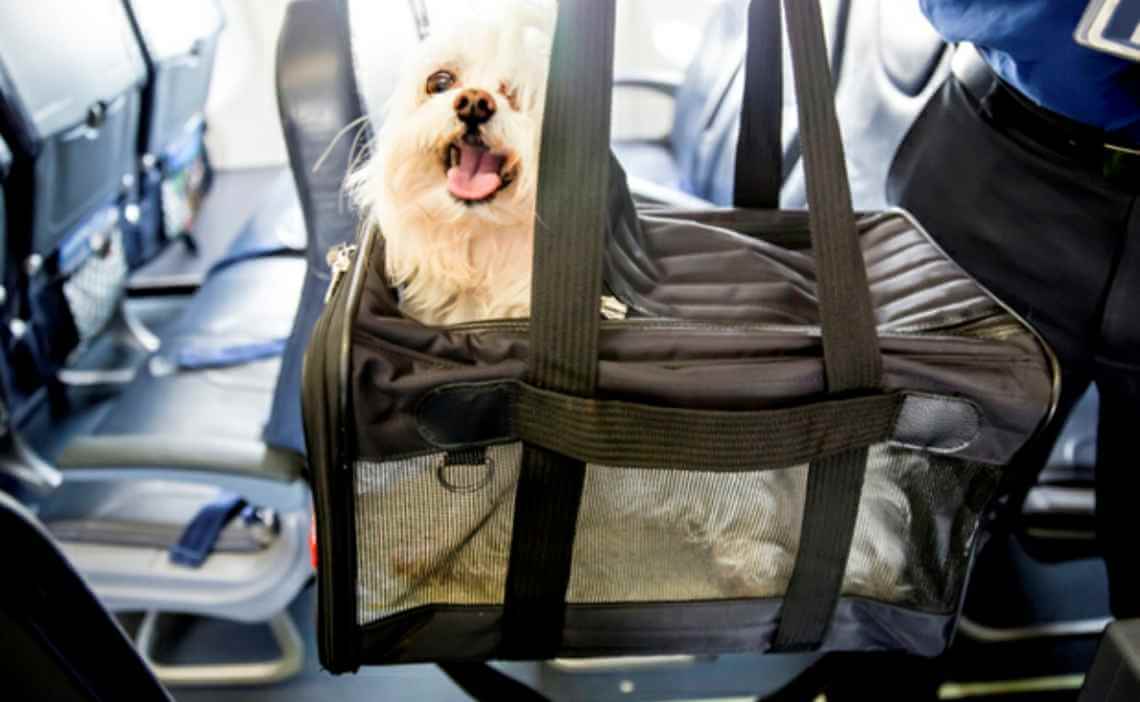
(1036, 217)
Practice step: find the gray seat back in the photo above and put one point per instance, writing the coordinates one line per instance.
(316, 106)
(179, 42)
(891, 63)
(70, 116)
(888, 61)
(70, 81)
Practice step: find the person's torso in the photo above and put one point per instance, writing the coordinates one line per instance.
(1030, 44)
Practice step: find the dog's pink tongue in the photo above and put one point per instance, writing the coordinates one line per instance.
(477, 175)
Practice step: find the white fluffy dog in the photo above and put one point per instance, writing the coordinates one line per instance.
(453, 174)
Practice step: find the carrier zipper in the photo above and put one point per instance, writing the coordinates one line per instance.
(991, 326)
(340, 258)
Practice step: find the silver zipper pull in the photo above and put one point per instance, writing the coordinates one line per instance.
(613, 308)
(340, 259)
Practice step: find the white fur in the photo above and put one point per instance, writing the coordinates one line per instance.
(452, 261)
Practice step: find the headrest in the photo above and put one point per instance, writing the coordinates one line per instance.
(319, 105)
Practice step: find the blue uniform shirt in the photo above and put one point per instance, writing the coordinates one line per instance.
(1030, 44)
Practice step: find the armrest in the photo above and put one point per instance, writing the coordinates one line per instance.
(649, 195)
(645, 93)
(665, 82)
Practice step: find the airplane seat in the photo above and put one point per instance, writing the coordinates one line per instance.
(670, 161)
(214, 414)
(887, 62)
(71, 121)
(184, 433)
(179, 42)
(319, 109)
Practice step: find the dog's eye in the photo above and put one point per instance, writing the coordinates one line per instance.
(440, 82)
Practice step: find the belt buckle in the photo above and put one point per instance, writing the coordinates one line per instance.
(1121, 163)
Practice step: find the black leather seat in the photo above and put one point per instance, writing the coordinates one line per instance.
(56, 640)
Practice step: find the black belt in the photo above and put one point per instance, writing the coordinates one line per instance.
(1011, 110)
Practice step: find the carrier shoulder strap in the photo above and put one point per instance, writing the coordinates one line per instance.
(852, 361)
(759, 149)
(570, 231)
(567, 275)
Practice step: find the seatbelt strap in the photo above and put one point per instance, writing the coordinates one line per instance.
(569, 242)
(486, 684)
(758, 189)
(759, 149)
(228, 356)
(269, 249)
(201, 534)
(852, 361)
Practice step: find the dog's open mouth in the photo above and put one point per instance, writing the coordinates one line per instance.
(475, 173)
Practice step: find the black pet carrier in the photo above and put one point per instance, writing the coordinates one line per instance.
(785, 437)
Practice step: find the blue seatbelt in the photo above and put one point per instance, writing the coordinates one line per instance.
(201, 534)
(228, 356)
(265, 250)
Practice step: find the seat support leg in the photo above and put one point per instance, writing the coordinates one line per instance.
(288, 664)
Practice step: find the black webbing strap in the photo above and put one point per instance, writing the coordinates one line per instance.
(616, 433)
(759, 150)
(850, 342)
(568, 247)
(484, 683)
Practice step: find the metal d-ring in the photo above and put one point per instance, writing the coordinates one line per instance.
(462, 458)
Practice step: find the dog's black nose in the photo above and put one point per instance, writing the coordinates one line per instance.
(475, 106)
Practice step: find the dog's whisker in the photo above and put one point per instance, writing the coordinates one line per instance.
(358, 122)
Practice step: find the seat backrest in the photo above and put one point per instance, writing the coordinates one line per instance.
(72, 75)
(707, 111)
(887, 61)
(318, 99)
(179, 41)
(892, 62)
(718, 60)
(57, 642)
(70, 115)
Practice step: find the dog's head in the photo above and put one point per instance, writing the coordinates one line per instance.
(460, 136)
